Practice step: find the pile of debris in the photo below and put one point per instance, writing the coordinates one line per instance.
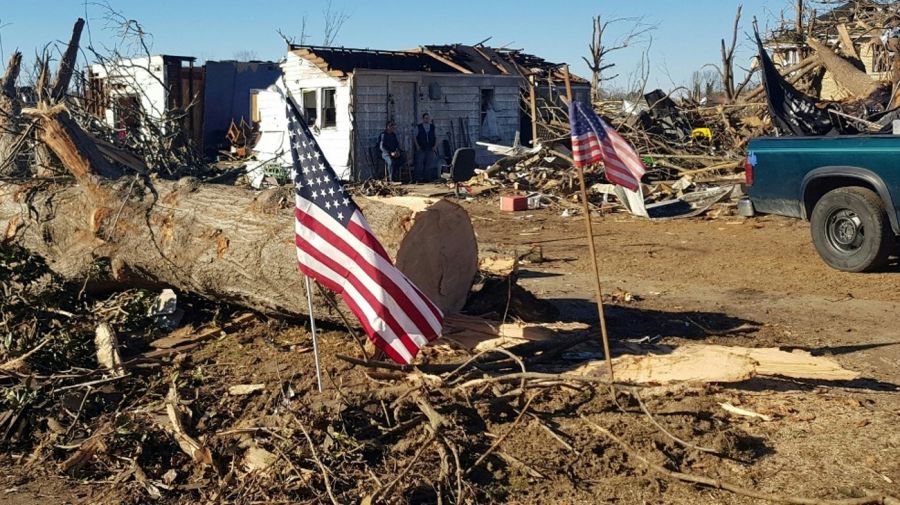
(545, 175)
(691, 145)
(224, 408)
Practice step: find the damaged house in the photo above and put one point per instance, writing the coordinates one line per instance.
(205, 99)
(473, 93)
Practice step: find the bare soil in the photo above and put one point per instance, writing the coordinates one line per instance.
(693, 280)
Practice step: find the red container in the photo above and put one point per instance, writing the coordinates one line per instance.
(513, 203)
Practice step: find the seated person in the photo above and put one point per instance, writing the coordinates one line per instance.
(390, 151)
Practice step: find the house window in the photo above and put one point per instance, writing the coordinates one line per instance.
(329, 111)
(310, 110)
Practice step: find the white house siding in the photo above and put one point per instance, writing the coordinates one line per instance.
(335, 141)
(272, 149)
(141, 77)
(460, 99)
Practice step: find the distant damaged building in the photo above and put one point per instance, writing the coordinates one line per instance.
(473, 93)
(129, 93)
(203, 101)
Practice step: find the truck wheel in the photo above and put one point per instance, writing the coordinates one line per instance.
(850, 229)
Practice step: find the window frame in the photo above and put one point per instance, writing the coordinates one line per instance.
(322, 109)
(304, 92)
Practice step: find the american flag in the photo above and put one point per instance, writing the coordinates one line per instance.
(336, 247)
(593, 141)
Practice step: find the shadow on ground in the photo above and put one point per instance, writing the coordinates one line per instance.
(630, 322)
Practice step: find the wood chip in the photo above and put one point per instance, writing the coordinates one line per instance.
(258, 459)
(744, 412)
(108, 349)
(245, 389)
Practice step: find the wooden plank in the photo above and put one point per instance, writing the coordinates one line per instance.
(846, 41)
(446, 61)
(484, 55)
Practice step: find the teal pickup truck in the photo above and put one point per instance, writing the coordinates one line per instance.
(848, 187)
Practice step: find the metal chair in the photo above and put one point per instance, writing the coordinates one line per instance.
(462, 167)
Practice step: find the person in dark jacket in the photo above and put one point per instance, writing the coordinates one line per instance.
(426, 151)
(390, 151)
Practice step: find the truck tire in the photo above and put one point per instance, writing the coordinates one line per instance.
(850, 229)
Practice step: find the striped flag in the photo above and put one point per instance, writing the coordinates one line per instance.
(593, 141)
(336, 247)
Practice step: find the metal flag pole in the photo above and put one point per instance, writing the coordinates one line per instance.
(312, 326)
(589, 231)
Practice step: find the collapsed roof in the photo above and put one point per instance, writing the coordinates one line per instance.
(340, 62)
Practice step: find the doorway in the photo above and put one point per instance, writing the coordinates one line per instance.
(403, 112)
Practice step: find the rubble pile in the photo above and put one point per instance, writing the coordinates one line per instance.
(693, 143)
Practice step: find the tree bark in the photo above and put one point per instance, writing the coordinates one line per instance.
(222, 242)
(10, 118)
(855, 81)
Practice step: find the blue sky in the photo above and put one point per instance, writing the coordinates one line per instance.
(686, 36)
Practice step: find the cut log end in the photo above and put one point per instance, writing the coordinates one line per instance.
(440, 255)
(431, 241)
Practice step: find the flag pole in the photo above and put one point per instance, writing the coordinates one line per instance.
(589, 229)
(312, 326)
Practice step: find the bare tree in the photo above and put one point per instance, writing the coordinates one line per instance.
(245, 55)
(727, 69)
(641, 74)
(334, 21)
(705, 83)
(599, 51)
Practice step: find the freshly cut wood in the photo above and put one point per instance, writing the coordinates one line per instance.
(744, 412)
(846, 42)
(477, 334)
(245, 389)
(187, 335)
(498, 265)
(176, 426)
(716, 363)
(431, 241)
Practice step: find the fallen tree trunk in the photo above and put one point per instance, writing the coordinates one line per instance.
(855, 81)
(222, 242)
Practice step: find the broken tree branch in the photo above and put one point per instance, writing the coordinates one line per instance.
(67, 64)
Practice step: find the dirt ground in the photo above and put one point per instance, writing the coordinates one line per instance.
(691, 280)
